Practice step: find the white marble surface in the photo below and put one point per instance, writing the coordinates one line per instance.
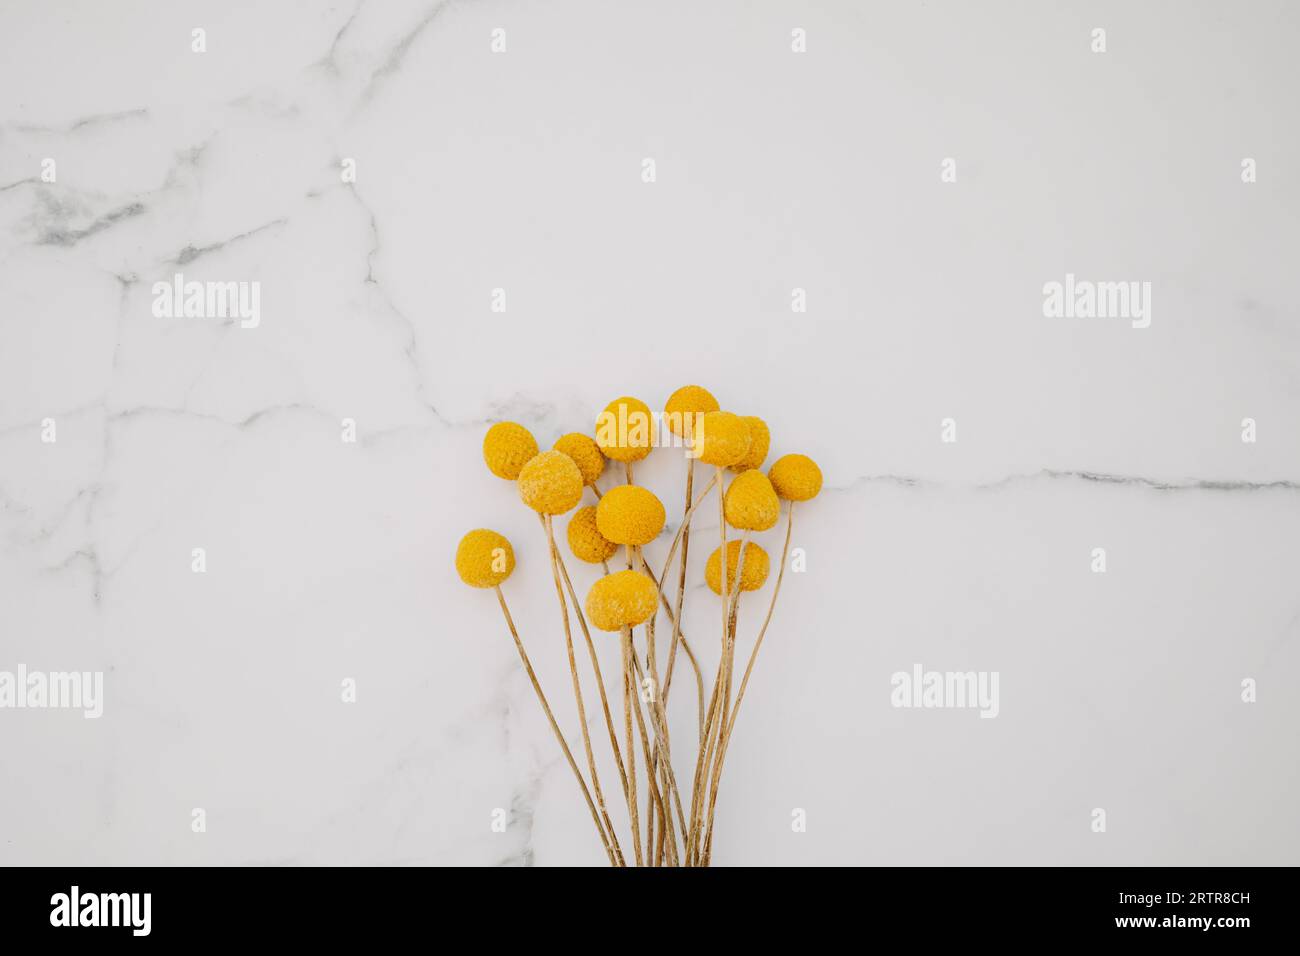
(522, 171)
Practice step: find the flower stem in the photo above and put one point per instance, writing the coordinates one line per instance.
(555, 727)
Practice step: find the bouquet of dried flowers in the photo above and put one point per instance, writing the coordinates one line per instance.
(675, 827)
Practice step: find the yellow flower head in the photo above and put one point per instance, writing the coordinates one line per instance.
(752, 575)
(507, 447)
(630, 514)
(796, 477)
(622, 599)
(484, 558)
(625, 429)
(585, 454)
(751, 503)
(760, 440)
(550, 483)
(685, 405)
(585, 540)
(721, 438)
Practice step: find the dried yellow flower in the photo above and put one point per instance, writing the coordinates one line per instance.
(585, 453)
(723, 438)
(625, 429)
(752, 575)
(585, 540)
(630, 514)
(484, 558)
(685, 405)
(507, 447)
(550, 483)
(796, 477)
(760, 440)
(622, 599)
(751, 503)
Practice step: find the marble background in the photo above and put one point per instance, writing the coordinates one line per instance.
(775, 170)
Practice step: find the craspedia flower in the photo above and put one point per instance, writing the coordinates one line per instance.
(630, 514)
(622, 599)
(751, 503)
(796, 477)
(752, 575)
(507, 447)
(484, 558)
(585, 453)
(585, 540)
(550, 483)
(684, 405)
(760, 440)
(624, 430)
(723, 438)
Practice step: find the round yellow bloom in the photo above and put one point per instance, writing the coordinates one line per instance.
(760, 440)
(622, 599)
(550, 483)
(507, 447)
(585, 454)
(796, 477)
(751, 503)
(752, 575)
(723, 438)
(585, 540)
(625, 429)
(484, 558)
(630, 514)
(684, 405)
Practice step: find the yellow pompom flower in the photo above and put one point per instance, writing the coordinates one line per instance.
(625, 429)
(550, 483)
(507, 447)
(630, 514)
(484, 558)
(722, 438)
(796, 477)
(685, 405)
(585, 540)
(752, 575)
(751, 503)
(622, 599)
(585, 453)
(760, 440)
